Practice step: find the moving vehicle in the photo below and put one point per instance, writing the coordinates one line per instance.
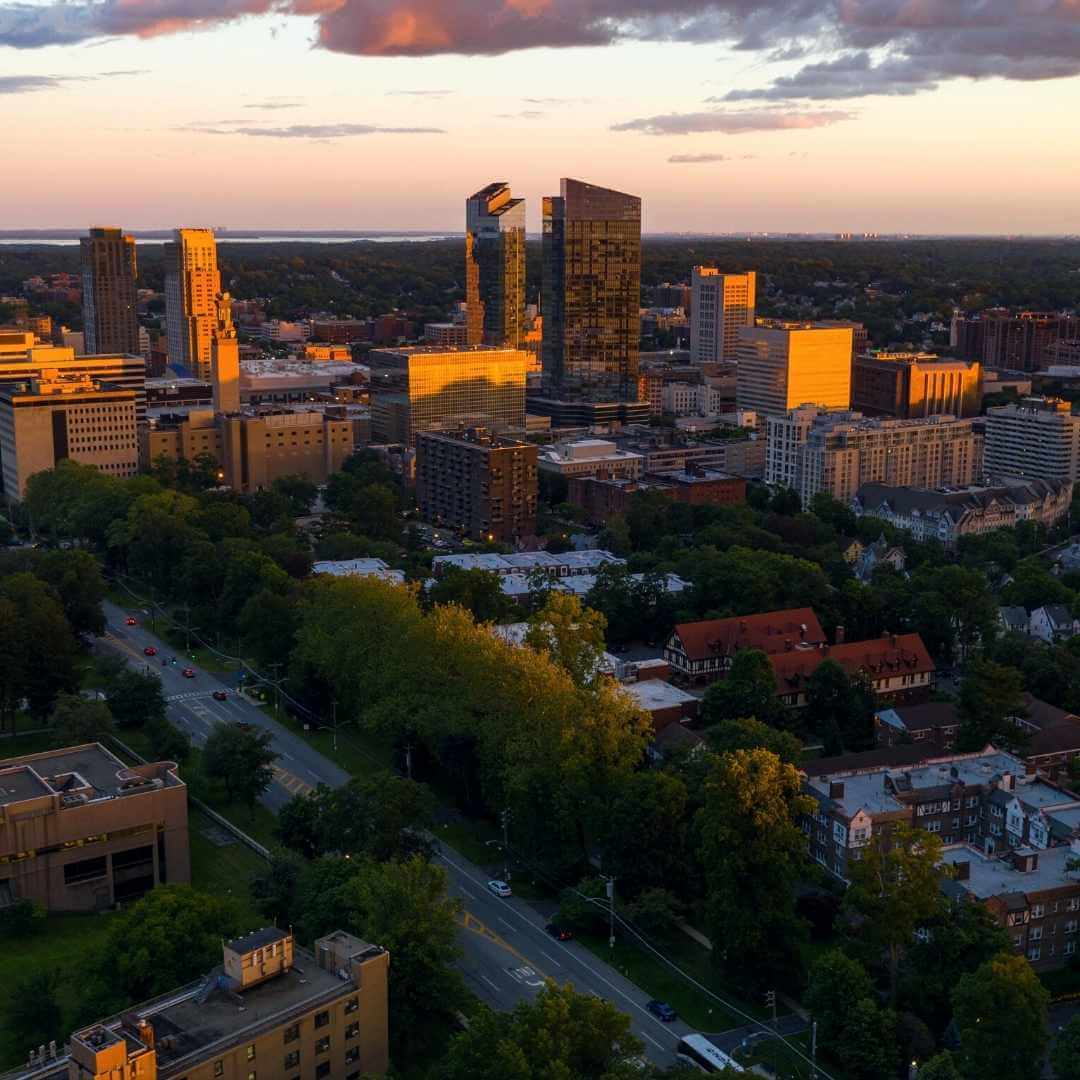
(188, 673)
(130, 621)
(559, 933)
(662, 1011)
(150, 650)
(697, 1052)
(220, 695)
(500, 888)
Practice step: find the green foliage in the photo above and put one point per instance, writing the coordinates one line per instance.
(635, 609)
(572, 635)
(478, 591)
(940, 1067)
(747, 692)
(655, 912)
(840, 709)
(32, 1012)
(990, 695)
(1065, 1056)
(837, 984)
(135, 698)
(21, 919)
(730, 735)
(77, 720)
(267, 626)
(239, 759)
(168, 742)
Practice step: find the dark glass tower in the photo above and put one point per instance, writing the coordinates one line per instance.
(591, 293)
(495, 267)
(108, 278)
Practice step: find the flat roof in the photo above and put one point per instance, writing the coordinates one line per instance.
(653, 694)
(980, 769)
(20, 783)
(256, 939)
(862, 791)
(990, 875)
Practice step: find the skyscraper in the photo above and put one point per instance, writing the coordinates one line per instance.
(720, 304)
(591, 293)
(192, 285)
(108, 279)
(225, 359)
(495, 267)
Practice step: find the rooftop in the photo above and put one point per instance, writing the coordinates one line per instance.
(896, 654)
(925, 717)
(990, 875)
(770, 632)
(654, 694)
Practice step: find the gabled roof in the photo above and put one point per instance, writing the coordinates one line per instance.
(902, 654)
(926, 717)
(1013, 616)
(769, 632)
(1058, 614)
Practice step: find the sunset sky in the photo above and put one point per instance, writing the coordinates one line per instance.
(772, 115)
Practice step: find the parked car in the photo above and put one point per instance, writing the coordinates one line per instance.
(131, 621)
(220, 695)
(188, 673)
(500, 888)
(662, 1011)
(150, 650)
(559, 933)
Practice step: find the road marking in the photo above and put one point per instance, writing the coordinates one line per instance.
(469, 895)
(292, 784)
(509, 926)
(550, 957)
(494, 986)
(658, 1045)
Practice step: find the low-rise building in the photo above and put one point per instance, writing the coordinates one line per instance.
(81, 831)
(1013, 619)
(1053, 623)
(566, 564)
(590, 457)
(359, 568)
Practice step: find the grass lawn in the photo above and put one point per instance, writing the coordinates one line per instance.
(223, 871)
(777, 1058)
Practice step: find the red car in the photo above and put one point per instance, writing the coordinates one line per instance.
(220, 695)
(130, 620)
(150, 650)
(188, 673)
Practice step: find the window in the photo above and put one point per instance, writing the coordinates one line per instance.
(1070, 927)
(352, 1005)
(219, 1068)
(292, 1059)
(1073, 903)
(352, 1055)
(1070, 948)
(933, 826)
(1035, 934)
(352, 1030)
(292, 1033)
(251, 1075)
(322, 1019)
(76, 873)
(1037, 911)
(251, 1052)
(323, 1045)
(322, 1069)
(1034, 952)
(956, 823)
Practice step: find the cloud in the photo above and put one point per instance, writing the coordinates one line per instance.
(26, 84)
(697, 159)
(735, 121)
(275, 105)
(320, 131)
(418, 93)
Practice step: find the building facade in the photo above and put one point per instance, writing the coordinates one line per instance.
(911, 385)
(721, 305)
(784, 365)
(1034, 438)
(590, 457)
(479, 483)
(1012, 341)
(81, 831)
(495, 267)
(108, 292)
(591, 293)
(192, 286)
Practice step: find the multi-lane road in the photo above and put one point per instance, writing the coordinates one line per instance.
(507, 954)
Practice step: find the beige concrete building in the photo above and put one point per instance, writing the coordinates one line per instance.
(176, 436)
(192, 287)
(53, 417)
(81, 831)
(783, 365)
(225, 359)
(271, 1010)
(1035, 438)
(721, 304)
(108, 292)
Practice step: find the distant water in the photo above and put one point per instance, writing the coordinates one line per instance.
(246, 238)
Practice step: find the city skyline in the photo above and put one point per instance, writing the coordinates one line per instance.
(870, 118)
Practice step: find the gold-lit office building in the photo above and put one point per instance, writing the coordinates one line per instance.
(910, 385)
(591, 293)
(426, 388)
(108, 283)
(783, 365)
(192, 287)
(495, 267)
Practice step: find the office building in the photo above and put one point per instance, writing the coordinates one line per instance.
(591, 293)
(340, 331)
(447, 335)
(108, 292)
(82, 831)
(1015, 342)
(53, 417)
(495, 267)
(270, 1009)
(721, 305)
(910, 385)
(590, 457)
(783, 365)
(479, 483)
(426, 388)
(1034, 438)
(192, 286)
(224, 358)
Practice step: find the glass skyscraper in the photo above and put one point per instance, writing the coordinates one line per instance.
(495, 267)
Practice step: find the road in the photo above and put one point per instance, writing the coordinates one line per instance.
(507, 952)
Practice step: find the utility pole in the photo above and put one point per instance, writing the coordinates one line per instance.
(408, 769)
(611, 912)
(334, 706)
(770, 1002)
(813, 1050)
(506, 845)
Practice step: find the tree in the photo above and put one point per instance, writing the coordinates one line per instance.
(276, 889)
(731, 735)
(837, 984)
(32, 1012)
(1065, 1056)
(940, 1067)
(267, 627)
(840, 708)
(134, 698)
(748, 691)
(300, 492)
(478, 591)
(78, 720)
(1000, 1013)
(573, 636)
(990, 696)
(655, 912)
(241, 760)
(894, 889)
(867, 1043)
(752, 851)
(168, 742)
(75, 578)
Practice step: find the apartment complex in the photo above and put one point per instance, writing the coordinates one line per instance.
(81, 831)
(783, 365)
(270, 1009)
(948, 515)
(910, 385)
(1034, 438)
(477, 482)
(721, 305)
(54, 417)
(1012, 342)
(696, 485)
(192, 286)
(591, 293)
(108, 292)
(425, 388)
(495, 267)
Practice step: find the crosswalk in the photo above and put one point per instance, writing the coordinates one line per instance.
(189, 695)
(292, 784)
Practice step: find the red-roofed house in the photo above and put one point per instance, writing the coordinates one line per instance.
(898, 666)
(701, 652)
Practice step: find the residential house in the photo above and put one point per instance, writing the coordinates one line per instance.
(932, 726)
(1053, 623)
(1014, 620)
(879, 553)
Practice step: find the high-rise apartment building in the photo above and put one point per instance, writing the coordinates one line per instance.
(1011, 342)
(271, 1009)
(477, 482)
(591, 293)
(1033, 438)
(108, 292)
(495, 267)
(192, 286)
(783, 365)
(721, 305)
(910, 385)
(785, 437)
(425, 388)
(53, 417)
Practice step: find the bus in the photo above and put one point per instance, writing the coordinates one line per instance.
(697, 1051)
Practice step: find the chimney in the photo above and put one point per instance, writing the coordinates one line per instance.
(1008, 782)
(836, 789)
(963, 870)
(839, 635)
(146, 1033)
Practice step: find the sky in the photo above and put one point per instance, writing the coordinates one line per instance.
(924, 116)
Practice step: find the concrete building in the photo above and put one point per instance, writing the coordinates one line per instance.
(494, 268)
(360, 568)
(482, 484)
(224, 359)
(1018, 341)
(340, 331)
(1034, 438)
(696, 485)
(270, 1009)
(783, 365)
(425, 388)
(721, 305)
(108, 292)
(54, 417)
(910, 385)
(192, 286)
(81, 831)
(785, 437)
(590, 457)
(446, 335)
